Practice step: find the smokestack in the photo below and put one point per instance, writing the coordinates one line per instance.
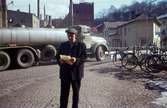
(71, 12)
(44, 12)
(50, 20)
(29, 6)
(38, 8)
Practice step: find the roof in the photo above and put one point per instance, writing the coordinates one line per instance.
(162, 16)
(117, 24)
(114, 24)
(111, 24)
(21, 13)
(142, 17)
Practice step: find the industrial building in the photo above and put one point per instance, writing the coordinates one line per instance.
(79, 14)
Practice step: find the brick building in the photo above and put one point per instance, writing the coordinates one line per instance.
(82, 13)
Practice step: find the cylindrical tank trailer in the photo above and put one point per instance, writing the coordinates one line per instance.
(24, 47)
(29, 36)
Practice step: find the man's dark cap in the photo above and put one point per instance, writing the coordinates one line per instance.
(71, 30)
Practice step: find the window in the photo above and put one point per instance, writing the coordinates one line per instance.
(116, 42)
(163, 22)
(22, 21)
(143, 42)
(125, 31)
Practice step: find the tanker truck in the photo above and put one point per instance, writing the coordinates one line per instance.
(25, 47)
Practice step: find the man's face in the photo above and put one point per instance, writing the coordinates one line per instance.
(71, 37)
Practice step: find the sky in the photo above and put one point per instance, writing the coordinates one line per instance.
(59, 8)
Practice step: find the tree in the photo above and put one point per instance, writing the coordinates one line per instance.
(149, 7)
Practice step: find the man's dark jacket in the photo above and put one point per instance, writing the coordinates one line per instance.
(77, 50)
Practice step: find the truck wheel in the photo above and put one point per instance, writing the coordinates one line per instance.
(25, 58)
(48, 53)
(4, 60)
(100, 53)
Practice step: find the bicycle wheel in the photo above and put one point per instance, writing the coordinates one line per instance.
(129, 61)
(142, 62)
(153, 63)
(116, 59)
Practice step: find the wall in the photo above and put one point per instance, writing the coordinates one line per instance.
(163, 31)
(138, 33)
(17, 19)
(35, 22)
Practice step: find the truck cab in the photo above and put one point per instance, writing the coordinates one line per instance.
(96, 46)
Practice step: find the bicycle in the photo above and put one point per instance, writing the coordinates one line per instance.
(157, 61)
(124, 59)
(136, 58)
(141, 56)
(117, 57)
(130, 60)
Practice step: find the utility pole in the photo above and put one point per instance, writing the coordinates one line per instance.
(4, 13)
(44, 12)
(71, 13)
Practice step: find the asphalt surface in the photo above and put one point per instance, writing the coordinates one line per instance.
(103, 86)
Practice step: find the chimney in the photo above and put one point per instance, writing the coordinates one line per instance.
(29, 6)
(38, 8)
(50, 21)
(71, 12)
(44, 13)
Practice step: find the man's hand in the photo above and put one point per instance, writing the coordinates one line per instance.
(67, 59)
(61, 61)
(71, 61)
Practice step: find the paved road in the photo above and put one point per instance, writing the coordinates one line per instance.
(102, 87)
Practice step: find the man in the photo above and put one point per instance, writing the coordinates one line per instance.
(71, 57)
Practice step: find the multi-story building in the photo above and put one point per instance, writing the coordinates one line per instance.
(140, 31)
(82, 13)
(18, 18)
(109, 30)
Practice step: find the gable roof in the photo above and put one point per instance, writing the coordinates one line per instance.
(117, 24)
(111, 24)
(162, 16)
(142, 17)
(114, 24)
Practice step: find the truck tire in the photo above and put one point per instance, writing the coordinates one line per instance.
(4, 60)
(25, 58)
(100, 53)
(48, 53)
